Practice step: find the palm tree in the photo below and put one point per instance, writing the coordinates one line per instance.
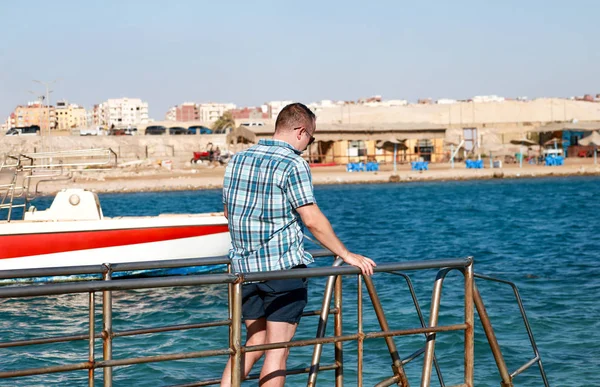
(223, 123)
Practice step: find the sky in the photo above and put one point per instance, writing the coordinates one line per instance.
(251, 52)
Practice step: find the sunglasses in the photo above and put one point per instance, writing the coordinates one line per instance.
(311, 137)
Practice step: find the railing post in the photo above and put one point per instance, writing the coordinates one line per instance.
(338, 331)
(470, 322)
(236, 334)
(396, 361)
(316, 358)
(107, 325)
(91, 358)
(361, 337)
(433, 320)
(491, 338)
(230, 305)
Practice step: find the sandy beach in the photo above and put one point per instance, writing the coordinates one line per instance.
(157, 178)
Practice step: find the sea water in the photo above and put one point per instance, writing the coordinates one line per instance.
(543, 234)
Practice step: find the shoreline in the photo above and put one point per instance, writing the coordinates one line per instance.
(123, 180)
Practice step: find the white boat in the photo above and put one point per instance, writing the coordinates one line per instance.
(73, 230)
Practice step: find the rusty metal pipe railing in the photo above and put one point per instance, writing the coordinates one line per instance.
(236, 350)
(389, 341)
(413, 295)
(322, 325)
(256, 376)
(128, 266)
(92, 330)
(360, 343)
(537, 357)
(237, 373)
(131, 332)
(107, 328)
(470, 322)
(114, 362)
(433, 318)
(134, 284)
(492, 341)
(469, 325)
(524, 367)
(389, 381)
(352, 337)
(337, 331)
(211, 279)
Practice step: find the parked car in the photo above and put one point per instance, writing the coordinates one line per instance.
(131, 131)
(202, 129)
(96, 131)
(177, 130)
(33, 130)
(155, 130)
(223, 130)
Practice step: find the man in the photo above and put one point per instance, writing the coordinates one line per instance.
(267, 198)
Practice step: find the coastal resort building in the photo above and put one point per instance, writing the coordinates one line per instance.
(339, 144)
(349, 143)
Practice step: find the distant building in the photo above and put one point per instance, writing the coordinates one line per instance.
(446, 101)
(187, 111)
(122, 112)
(171, 114)
(375, 98)
(97, 117)
(274, 107)
(487, 98)
(249, 113)
(89, 118)
(70, 116)
(388, 103)
(35, 113)
(9, 123)
(210, 112)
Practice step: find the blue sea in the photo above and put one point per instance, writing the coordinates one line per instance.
(543, 234)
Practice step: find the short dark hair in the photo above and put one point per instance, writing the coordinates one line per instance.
(294, 115)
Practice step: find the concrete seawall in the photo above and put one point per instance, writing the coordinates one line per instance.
(128, 148)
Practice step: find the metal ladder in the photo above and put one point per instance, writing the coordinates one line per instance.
(11, 191)
(45, 167)
(399, 378)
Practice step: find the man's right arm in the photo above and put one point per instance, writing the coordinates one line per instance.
(320, 227)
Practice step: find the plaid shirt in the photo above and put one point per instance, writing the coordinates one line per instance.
(262, 188)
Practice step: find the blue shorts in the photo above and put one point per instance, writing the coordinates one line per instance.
(276, 300)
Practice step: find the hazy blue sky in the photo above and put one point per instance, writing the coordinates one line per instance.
(249, 52)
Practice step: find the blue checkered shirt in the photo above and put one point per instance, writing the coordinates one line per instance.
(262, 188)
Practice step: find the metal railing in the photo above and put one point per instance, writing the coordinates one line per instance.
(45, 167)
(236, 349)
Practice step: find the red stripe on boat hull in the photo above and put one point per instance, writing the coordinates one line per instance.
(12, 246)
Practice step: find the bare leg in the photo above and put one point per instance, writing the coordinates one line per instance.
(256, 334)
(275, 365)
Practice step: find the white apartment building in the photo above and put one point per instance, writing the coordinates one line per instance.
(210, 112)
(89, 118)
(487, 98)
(446, 101)
(171, 114)
(275, 107)
(123, 112)
(9, 123)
